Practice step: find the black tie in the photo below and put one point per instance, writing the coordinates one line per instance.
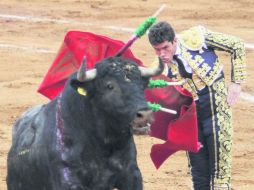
(181, 68)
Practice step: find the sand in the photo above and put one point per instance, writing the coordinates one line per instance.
(29, 43)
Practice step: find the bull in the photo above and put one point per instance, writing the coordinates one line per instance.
(83, 139)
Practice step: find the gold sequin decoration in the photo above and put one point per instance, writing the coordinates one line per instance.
(236, 48)
(224, 116)
(202, 69)
(192, 38)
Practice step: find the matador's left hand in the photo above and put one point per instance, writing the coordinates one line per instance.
(234, 91)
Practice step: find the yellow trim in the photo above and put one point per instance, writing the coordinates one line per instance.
(225, 135)
(235, 46)
(214, 134)
(82, 91)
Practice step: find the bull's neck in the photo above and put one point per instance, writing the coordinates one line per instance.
(112, 130)
(75, 107)
(80, 113)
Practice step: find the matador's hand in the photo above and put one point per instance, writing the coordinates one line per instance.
(234, 91)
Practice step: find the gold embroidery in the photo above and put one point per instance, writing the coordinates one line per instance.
(199, 59)
(175, 71)
(223, 113)
(192, 38)
(233, 45)
(198, 82)
(213, 74)
(189, 85)
(207, 74)
(214, 133)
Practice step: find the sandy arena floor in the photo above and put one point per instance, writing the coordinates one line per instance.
(28, 45)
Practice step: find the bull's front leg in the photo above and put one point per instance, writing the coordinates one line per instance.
(130, 179)
(125, 163)
(65, 178)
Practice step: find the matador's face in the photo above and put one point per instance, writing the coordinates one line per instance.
(166, 50)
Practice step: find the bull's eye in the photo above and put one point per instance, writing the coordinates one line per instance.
(110, 86)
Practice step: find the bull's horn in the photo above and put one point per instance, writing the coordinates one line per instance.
(84, 75)
(149, 72)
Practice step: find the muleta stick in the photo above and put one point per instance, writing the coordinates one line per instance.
(141, 30)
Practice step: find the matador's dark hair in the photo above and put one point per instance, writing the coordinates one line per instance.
(161, 32)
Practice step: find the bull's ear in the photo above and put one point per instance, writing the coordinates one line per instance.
(78, 86)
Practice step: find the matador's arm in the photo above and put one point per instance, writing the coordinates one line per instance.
(234, 46)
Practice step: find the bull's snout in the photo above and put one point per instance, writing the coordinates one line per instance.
(142, 121)
(143, 117)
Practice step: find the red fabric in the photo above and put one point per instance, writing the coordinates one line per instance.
(178, 131)
(77, 44)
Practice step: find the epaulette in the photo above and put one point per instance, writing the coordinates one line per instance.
(192, 39)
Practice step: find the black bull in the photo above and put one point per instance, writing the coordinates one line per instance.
(84, 142)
